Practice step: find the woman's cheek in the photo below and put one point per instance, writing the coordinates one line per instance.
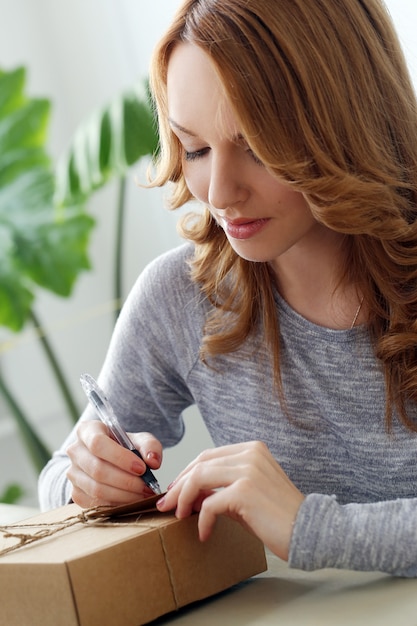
(197, 183)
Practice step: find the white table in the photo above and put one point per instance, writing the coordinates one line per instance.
(284, 597)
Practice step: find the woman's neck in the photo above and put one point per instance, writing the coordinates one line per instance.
(310, 279)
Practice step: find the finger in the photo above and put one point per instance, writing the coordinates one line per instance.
(218, 503)
(104, 473)
(222, 466)
(188, 493)
(86, 493)
(237, 502)
(149, 447)
(92, 474)
(95, 437)
(247, 451)
(103, 482)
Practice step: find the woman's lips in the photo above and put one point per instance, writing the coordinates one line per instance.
(244, 228)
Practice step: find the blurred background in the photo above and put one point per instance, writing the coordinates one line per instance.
(80, 55)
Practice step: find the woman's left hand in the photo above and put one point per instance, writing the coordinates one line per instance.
(244, 482)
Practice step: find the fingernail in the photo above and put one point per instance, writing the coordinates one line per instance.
(160, 502)
(170, 486)
(137, 467)
(153, 456)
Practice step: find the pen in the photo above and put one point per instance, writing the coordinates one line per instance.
(105, 412)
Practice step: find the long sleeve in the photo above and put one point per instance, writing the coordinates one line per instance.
(144, 373)
(378, 536)
(54, 488)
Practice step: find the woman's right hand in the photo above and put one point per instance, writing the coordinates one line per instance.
(102, 472)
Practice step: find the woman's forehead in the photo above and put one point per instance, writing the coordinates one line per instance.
(194, 89)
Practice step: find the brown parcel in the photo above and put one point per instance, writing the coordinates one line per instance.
(121, 572)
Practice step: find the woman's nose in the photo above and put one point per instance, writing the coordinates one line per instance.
(227, 185)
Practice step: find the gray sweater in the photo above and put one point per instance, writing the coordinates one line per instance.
(361, 482)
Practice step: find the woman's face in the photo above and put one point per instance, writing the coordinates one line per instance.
(263, 218)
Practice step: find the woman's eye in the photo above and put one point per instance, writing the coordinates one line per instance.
(254, 157)
(195, 154)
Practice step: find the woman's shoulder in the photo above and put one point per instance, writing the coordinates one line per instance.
(174, 261)
(170, 270)
(167, 278)
(165, 297)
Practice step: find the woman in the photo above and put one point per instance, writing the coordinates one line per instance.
(290, 318)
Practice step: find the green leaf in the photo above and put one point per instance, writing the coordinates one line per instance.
(15, 296)
(12, 163)
(53, 253)
(11, 90)
(12, 494)
(26, 126)
(106, 145)
(40, 246)
(139, 129)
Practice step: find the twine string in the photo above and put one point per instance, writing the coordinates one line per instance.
(52, 528)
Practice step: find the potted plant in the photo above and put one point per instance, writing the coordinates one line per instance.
(45, 226)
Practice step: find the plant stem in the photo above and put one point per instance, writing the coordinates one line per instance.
(38, 451)
(57, 370)
(118, 262)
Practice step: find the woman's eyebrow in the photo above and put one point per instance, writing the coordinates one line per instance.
(237, 138)
(181, 128)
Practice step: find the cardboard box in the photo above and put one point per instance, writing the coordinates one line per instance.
(120, 571)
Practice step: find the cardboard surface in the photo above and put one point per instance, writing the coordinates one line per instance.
(125, 571)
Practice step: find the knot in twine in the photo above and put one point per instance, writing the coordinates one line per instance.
(94, 515)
